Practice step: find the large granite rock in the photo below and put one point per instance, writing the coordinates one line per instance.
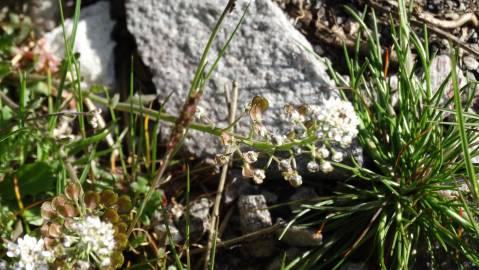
(44, 14)
(93, 42)
(268, 57)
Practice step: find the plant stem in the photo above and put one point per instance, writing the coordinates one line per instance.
(138, 109)
(211, 247)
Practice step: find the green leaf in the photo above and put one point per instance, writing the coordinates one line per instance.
(140, 186)
(33, 179)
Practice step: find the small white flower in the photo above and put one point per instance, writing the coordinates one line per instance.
(313, 166)
(30, 252)
(250, 156)
(258, 176)
(284, 165)
(323, 152)
(83, 265)
(346, 141)
(338, 156)
(326, 167)
(296, 180)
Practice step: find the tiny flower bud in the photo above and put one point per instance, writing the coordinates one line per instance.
(296, 180)
(258, 176)
(338, 156)
(326, 167)
(323, 152)
(313, 166)
(284, 165)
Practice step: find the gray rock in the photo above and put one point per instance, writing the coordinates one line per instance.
(260, 248)
(44, 14)
(93, 42)
(470, 62)
(271, 197)
(199, 218)
(301, 195)
(201, 208)
(253, 213)
(238, 186)
(439, 70)
(162, 234)
(298, 236)
(268, 57)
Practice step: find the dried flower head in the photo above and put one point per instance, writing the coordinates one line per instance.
(250, 157)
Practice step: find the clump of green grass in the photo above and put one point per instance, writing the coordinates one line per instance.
(399, 213)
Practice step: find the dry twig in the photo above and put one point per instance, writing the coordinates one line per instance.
(221, 185)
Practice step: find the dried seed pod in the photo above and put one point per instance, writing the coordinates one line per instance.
(108, 197)
(68, 223)
(121, 227)
(47, 211)
(44, 229)
(111, 215)
(72, 191)
(247, 171)
(67, 210)
(55, 230)
(50, 243)
(124, 204)
(117, 259)
(92, 199)
(303, 110)
(121, 240)
(58, 202)
(258, 106)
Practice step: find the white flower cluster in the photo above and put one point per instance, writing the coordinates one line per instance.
(95, 236)
(324, 130)
(31, 254)
(337, 121)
